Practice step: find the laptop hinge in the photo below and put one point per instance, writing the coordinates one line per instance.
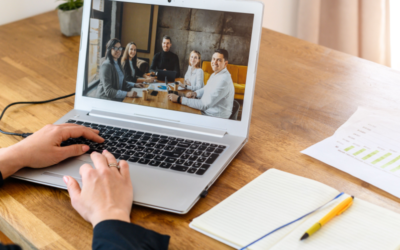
(158, 122)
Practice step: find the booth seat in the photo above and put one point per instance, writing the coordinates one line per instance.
(238, 73)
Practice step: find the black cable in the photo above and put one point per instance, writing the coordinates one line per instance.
(24, 135)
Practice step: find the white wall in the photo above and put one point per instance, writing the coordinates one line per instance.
(14, 10)
(280, 15)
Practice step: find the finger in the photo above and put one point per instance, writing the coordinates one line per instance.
(73, 187)
(124, 168)
(99, 160)
(78, 131)
(83, 171)
(75, 125)
(110, 159)
(73, 150)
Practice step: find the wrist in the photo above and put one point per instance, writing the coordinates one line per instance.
(114, 214)
(11, 161)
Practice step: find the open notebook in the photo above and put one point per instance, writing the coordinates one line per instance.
(276, 198)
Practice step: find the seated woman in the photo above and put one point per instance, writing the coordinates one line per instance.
(129, 64)
(113, 85)
(194, 77)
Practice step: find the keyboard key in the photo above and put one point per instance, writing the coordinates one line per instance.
(172, 143)
(155, 135)
(169, 148)
(117, 156)
(154, 163)
(192, 170)
(129, 146)
(197, 165)
(144, 161)
(219, 150)
(149, 156)
(193, 157)
(140, 143)
(71, 121)
(139, 154)
(101, 126)
(189, 141)
(119, 151)
(119, 133)
(179, 150)
(179, 168)
(87, 124)
(171, 154)
(157, 151)
(188, 163)
(106, 137)
(154, 139)
(136, 137)
(197, 142)
(124, 157)
(170, 138)
(159, 146)
(205, 144)
(134, 159)
(139, 133)
(185, 156)
(129, 152)
(212, 158)
(193, 146)
(145, 138)
(109, 132)
(183, 145)
(131, 141)
(150, 144)
(148, 134)
(222, 146)
(112, 149)
(198, 152)
(170, 160)
(190, 151)
(179, 139)
(121, 145)
(180, 161)
(132, 131)
(214, 145)
(210, 149)
(201, 159)
(160, 158)
(123, 139)
(113, 138)
(206, 154)
(112, 143)
(127, 135)
(165, 165)
(124, 130)
(203, 169)
(117, 129)
(163, 137)
(139, 148)
(202, 147)
(148, 150)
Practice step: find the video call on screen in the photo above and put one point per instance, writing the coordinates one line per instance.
(181, 59)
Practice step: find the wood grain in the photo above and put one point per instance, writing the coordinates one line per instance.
(304, 92)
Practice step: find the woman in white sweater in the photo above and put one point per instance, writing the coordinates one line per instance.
(194, 77)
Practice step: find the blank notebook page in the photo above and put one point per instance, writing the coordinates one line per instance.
(363, 226)
(271, 200)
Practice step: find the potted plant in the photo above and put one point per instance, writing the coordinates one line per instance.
(70, 17)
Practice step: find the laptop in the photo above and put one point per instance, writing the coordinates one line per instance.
(170, 75)
(175, 152)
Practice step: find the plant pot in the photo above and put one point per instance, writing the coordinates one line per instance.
(70, 21)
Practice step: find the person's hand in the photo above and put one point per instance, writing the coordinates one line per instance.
(106, 192)
(187, 82)
(139, 85)
(131, 94)
(181, 84)
(173, 97)
(191, 95)
(42, 149)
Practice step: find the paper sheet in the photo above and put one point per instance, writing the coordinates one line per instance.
(139, 91)
(271, 200)
(366, 146)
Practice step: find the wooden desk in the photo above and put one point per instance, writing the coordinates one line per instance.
(304, 92)
(161, 101)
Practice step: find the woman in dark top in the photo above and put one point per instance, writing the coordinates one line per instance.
(106, 196)
(113, 85)
(129, 64)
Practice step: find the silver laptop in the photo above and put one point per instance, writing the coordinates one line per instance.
(175, 151)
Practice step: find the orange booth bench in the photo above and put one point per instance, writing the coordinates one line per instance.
(238, 73)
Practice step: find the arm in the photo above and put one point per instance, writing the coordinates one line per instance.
(153, 67)
(106, 79)
(105, 200)
(199, 83)
(176, 66)
(42, 149)
(208, 101)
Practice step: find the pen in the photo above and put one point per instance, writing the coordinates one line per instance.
(340, 208)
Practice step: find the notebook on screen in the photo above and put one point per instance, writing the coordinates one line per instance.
(177, 139)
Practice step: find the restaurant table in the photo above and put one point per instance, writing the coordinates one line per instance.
(303, 93)
(161, 99)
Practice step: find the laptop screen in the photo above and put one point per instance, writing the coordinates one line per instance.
(180, 59)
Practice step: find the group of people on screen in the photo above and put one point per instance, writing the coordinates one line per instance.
(118, 75)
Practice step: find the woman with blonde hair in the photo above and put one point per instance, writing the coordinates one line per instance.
(129, 64)
(194, 77)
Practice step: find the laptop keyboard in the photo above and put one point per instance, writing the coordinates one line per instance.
(161, 151)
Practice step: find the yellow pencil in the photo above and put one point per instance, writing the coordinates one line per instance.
(340, 208)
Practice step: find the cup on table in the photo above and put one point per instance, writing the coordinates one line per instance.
(144, 94)
(176, 85)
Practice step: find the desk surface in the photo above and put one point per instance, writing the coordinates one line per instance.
(304, 92)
